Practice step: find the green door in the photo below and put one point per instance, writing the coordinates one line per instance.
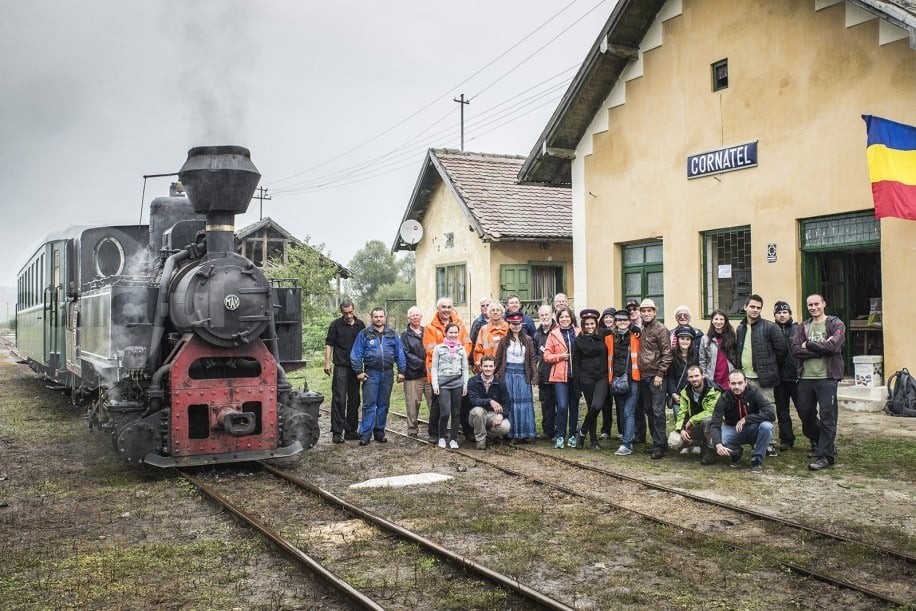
(515, 280)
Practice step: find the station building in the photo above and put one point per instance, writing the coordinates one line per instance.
(716, 148)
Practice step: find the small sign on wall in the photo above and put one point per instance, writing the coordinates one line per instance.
(771, 253)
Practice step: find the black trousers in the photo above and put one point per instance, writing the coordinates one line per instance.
(596, 394)
(548, 410)
(817, 407)
(782, 392)
(344, 401)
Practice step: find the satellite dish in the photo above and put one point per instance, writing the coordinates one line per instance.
(411, 232)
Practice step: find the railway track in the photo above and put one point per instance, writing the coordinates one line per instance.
(880, 573)
(374, 538)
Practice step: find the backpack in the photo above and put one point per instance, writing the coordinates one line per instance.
(901, 394)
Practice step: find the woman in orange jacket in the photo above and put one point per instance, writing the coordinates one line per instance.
(558, 352)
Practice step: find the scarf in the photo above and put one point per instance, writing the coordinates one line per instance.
(452, 345)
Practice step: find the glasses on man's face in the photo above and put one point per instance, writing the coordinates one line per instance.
(632, 308)
(681, 315)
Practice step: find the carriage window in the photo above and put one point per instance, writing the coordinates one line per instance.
(109, 257)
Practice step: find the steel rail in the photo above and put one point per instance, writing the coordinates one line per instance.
(513, 584)
(910, 559)
(795, 568)
(313, 565)
(801, 570)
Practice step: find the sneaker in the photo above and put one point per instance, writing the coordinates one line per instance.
(559, 443)
(771, 450)
(442, 442)
(756, 466)
(453, 444)
(821, 463)
(696, 450)
(685, 451)
(572, 442)
(595, 445)
(623, 451)
(337, 438)
(605, 436)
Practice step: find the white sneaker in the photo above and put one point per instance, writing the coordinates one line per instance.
(685, 451)
(442, 442)
(696, 450)
(623, 451)
(452, 444)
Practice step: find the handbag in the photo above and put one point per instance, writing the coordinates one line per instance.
(620, 385)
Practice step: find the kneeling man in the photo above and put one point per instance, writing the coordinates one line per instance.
(748, 419)
(698, 402)
(489, 401)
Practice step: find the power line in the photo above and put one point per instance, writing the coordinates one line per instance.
(437, 99)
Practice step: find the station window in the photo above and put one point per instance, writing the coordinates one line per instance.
(726, 269)
(720, 75)
(450, 282)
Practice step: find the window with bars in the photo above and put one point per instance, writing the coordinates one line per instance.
(726, 269)
(450, 282)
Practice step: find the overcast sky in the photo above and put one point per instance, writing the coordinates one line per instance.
(337, 101)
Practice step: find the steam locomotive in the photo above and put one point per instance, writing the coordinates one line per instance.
(178, 345)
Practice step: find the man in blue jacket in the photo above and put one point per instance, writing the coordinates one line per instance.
(375, 352)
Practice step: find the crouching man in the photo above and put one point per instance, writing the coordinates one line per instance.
(489, 401)
(748, 419)
(698, 402)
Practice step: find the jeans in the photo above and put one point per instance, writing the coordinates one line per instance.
(626, 405)
(567, 408)
(376, 396)
(783, 392)
(449, 406)
(654, 401)
(817, 408)
(344, 400)
(758, 435)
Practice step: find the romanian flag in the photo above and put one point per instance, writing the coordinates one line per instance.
(892, 167)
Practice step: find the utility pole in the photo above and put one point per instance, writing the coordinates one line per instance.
(262, 195)
(463, 103)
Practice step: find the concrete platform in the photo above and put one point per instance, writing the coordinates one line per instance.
(860, 398)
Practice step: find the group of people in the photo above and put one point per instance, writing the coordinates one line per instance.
(727, 388)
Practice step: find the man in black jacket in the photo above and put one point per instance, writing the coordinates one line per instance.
(339, 341)
(788, 377)
(416, 386)
(742, 416)
(761, 346)
(489, 400)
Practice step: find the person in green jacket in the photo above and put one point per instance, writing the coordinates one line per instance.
(698, 401)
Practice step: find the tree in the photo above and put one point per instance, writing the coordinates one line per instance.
(372, 265)
(314, 272)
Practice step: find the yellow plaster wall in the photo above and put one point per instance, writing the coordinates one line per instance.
(798, 82)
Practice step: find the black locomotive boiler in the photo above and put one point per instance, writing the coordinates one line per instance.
(179, 345)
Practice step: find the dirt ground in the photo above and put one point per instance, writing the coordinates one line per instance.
(80, 529)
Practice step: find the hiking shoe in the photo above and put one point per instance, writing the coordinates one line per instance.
(604, 436)
(771, 450)
(559, 443)
(657, 453)
(756, 466)
(595, 445)
(442, 442)
(572, 441)
(623, 451)
(821, 463)
(453, 444)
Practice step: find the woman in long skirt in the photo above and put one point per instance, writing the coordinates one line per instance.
(516, 365)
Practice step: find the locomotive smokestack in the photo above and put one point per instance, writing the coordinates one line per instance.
(219, 181)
